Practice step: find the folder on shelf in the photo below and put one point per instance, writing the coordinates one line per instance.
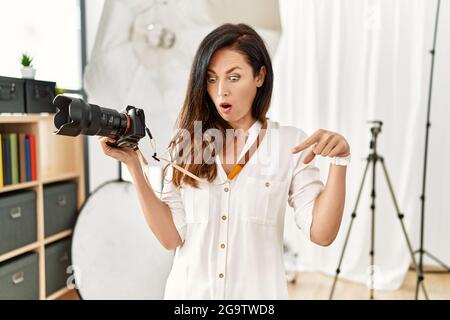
(6, 160)
(33, 157)
(14, 158)
(27, 158)
(22, 164)
(1, 162)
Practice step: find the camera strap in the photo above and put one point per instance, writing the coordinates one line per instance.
(248, 154)
(154, 156)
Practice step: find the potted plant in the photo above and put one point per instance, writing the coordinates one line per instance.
(27, 67)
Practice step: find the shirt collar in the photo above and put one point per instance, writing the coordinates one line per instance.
(254, 129)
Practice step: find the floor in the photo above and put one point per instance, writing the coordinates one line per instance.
(317, 286)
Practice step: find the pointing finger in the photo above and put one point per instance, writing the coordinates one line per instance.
(315, 137)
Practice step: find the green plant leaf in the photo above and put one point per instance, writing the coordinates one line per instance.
(26, 60)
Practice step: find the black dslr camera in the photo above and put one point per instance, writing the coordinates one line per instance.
(74, 116)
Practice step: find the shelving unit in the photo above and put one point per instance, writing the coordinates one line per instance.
(59, 158)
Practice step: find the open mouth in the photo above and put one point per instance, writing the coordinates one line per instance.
(225, 107)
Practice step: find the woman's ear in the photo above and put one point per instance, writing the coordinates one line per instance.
(260, 77)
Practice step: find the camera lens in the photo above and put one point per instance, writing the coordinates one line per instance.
(74, 117)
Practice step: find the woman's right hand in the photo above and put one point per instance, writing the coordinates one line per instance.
(126, 155)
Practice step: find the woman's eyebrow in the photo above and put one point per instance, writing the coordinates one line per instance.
(210, 70)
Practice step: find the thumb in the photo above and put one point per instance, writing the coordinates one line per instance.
(141, 157)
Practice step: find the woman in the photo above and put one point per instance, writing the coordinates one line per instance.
(223, 212)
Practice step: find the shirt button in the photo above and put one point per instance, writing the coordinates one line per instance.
(221, 275)
(225, 189)
(222, 245)
(224, 218)
(267, 184)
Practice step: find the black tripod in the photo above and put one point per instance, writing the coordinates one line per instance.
(372, 159)
(421, 250)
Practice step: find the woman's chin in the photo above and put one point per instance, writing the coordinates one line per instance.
(228, 116)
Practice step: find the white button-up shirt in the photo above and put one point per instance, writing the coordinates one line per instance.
(233, 232)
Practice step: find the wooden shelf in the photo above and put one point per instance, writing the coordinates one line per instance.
(58, 236)
(19, 251)
(49, 177)
(58, 158)
(19, 186)
(23, 117)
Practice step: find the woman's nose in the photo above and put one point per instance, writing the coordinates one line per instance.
(223, 90)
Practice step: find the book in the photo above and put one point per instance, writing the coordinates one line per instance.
(22, 164)
(14, 158)
(33, 157)
(27, 158)
(1, 162)
(6, 160)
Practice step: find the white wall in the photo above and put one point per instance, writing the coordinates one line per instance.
(48, 33)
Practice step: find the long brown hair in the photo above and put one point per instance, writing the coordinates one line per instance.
(198, 105)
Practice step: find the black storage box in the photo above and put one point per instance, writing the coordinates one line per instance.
(19, 278)
(39, 96)
(17, 220)
(12, 95)
(60, 207)
(57, 260)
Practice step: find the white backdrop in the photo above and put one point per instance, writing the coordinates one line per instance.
(341, 63)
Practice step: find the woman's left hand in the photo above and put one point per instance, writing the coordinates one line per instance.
(326, 143)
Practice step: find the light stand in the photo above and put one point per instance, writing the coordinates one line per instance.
(372, 159)
(421, 250)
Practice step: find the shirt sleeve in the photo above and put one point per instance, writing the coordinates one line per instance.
(304, 188)
(171, 196)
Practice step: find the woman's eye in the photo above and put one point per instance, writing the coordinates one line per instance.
(211, 79)
(234, 78)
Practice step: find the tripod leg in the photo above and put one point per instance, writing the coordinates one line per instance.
(401, 216)
(437, 260)
(338, 269)
(372, 232)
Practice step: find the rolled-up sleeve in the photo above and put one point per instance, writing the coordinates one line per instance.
(304, 188)
(173, 198)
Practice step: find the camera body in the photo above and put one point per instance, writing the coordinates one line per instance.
(74, 117)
